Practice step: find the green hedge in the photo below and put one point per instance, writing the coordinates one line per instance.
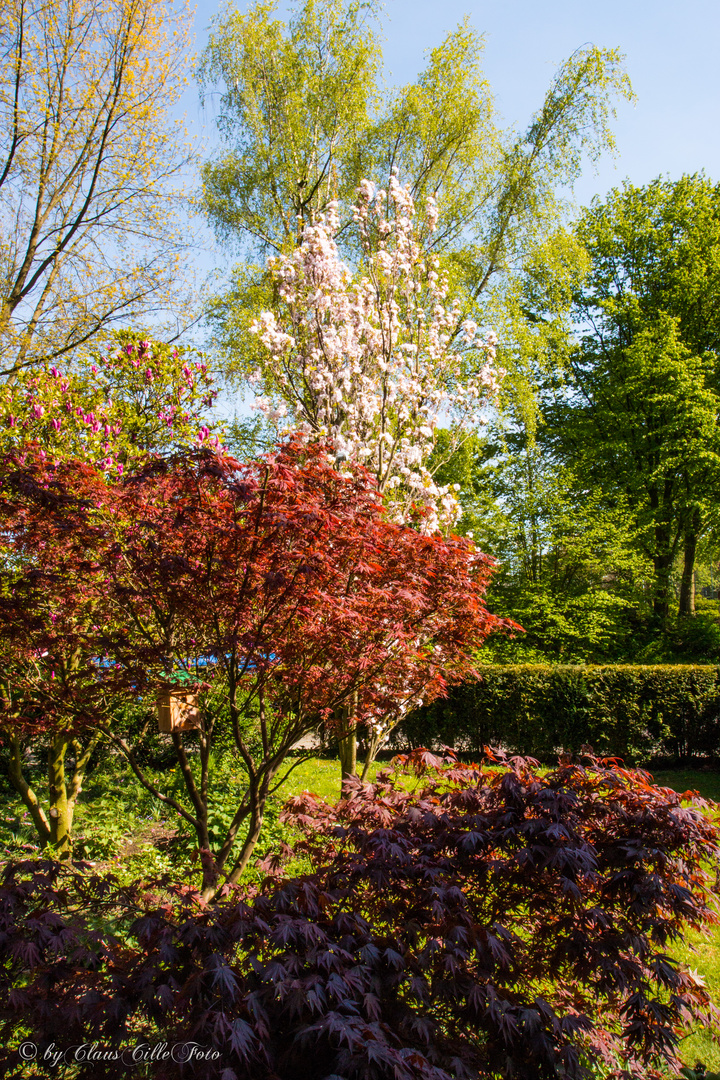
(630, 711)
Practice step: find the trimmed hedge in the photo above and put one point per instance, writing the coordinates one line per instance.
(630, 711)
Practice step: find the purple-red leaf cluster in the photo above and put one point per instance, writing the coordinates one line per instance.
(487, 921)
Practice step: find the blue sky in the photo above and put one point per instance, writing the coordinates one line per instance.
(673, 59)
(672, 56)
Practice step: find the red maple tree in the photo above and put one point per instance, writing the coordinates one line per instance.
(277, 589)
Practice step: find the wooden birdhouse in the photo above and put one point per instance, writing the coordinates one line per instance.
(177, 711)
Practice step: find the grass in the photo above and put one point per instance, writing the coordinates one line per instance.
(701, 952)
(705, 782)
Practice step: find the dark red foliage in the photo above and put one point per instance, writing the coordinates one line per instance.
(284, 572)
(491, 922)
(276, 588)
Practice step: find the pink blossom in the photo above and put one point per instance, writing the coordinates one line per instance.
(379, 368)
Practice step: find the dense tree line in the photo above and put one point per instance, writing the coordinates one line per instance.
(605, 513)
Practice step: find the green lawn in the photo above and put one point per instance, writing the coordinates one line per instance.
(701, 951)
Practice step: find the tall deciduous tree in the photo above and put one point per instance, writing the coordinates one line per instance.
(644, 407)
(303, 123)
(87, 159)
(569, 565)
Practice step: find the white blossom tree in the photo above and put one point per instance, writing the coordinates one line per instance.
(376, 361)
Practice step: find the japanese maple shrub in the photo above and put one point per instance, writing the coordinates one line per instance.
(495, 921)
(277, 588)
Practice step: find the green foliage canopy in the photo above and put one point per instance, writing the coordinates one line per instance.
(641, 414)
(303, 119)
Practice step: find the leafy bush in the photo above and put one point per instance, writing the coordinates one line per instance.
(339, 617)
(491, 922)
(631, 711)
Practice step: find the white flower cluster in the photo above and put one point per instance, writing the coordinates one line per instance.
(373, 363)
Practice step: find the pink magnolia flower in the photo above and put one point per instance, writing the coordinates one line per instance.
(375, 364)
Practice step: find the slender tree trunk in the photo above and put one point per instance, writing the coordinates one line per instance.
(61, 808)
(687, 583)
(347, 752)
(26, 793)
(257, 815)
(199, 799)
(347, 743)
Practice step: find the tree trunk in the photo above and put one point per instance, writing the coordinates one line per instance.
(26, 793)
(663, 564)
(257, 815)
(61, 808)
(687, 583)
(347, 752)
(347, 743)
